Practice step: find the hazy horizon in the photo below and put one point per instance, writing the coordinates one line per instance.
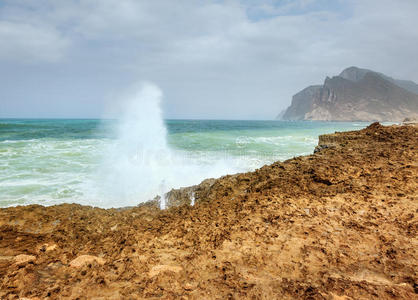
(222, 60)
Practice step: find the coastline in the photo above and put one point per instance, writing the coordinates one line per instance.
(84, 161)
(338, 224)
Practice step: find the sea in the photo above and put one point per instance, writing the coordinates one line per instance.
(117, 163)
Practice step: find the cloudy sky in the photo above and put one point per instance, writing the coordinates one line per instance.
(212, 59)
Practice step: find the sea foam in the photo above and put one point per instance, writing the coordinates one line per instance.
(140, 165)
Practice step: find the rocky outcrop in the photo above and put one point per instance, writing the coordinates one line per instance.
(86, 259)
(338, 224)
(356, 95)
(23, 259)
(189, 195)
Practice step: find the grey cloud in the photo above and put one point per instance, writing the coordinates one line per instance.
(212, 59)
(26, 43)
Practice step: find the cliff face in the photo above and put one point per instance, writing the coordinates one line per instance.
(356, 95)
(338, 224)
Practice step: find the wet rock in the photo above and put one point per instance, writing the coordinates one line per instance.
(320, 147)
(189, 195)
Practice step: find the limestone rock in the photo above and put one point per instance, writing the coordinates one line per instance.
(86, 259)
(156, 270)
(23, 259)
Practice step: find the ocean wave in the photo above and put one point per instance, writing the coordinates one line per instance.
(107, 170)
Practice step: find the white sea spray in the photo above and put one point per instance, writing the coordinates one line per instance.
(140, 165)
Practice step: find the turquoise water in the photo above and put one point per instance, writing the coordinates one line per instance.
(55, 161)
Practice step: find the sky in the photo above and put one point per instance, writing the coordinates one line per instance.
(212, 59)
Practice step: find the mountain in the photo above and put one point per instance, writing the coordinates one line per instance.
(356, 95)
(355, 74)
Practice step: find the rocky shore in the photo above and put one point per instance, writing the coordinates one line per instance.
(338, 224)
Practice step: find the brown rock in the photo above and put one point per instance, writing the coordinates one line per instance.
(47, 247)
(51, 247)
(86, 259)
(6, 258)
(156, 270)
(188, 286)
(248, 237)
(337, 297)
(23, 259)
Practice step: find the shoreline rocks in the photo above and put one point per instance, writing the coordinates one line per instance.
(338, 224)
(86, 259)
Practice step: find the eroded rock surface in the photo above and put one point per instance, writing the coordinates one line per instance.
(86, 260)
(338, 224)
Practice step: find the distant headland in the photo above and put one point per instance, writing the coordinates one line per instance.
(355, 95)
